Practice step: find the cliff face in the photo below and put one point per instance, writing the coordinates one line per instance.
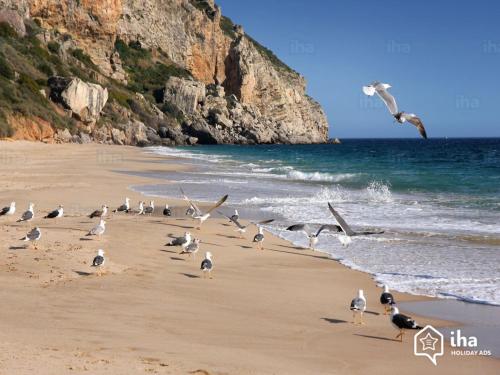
(248, 90)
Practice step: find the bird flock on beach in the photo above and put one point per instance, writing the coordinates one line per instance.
(190, 245)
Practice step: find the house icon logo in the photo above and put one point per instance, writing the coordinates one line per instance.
(428, 342)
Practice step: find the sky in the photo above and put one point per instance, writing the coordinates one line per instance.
(441, 57)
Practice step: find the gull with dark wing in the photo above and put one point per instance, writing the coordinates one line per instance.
(9, 210)
(99, 213)
(125, 207)
(167, 211)
(33, 236)
(311, 235)
(402, 322)
(150, 209)
(28, 215)
(99, 261)
(243, 228)
(199, 214)
(346, 240)
(192, 248)
(182, 241)
(387, 299)
(59, 212)
(358, 307)
(207, 265)
(401, 117)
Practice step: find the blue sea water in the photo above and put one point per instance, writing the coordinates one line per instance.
(437, 200)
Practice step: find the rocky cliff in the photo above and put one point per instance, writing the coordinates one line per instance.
(178, 67)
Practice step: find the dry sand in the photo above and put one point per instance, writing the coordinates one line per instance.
(277, 311)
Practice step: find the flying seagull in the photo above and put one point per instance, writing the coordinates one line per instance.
(243, 228)
(347, 229)
(125, 207)
(150, 209)
(199, 214)
(100, 213)
(358, 306)
(387, 300)
(167, 211)
(182, 241)
(99, 261)
(56, 213)
(192, 248)
(28, 215)
(33, 235)
(98, 230)
(401, 117)
(207, 265)
(402, 322)
(9, 210)
(311, 235)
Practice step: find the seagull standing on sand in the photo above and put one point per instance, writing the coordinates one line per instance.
(140, 210)
(167, 211)
(312, 236)
(125, 207)
(190, 211)
(346, 240)
(28, 215)
(9, 210)
(183, 241)
(192, 248)
(235, 216)
(33, 236)
(358, 306)
(259, 238)
(243, 228)
(387, 300)
(59, 212)
(100, 213)
(150, 209)
(402, 322)
(401, 117)
(99, 261)
(199, 214)
(98, 230)
(207, 265)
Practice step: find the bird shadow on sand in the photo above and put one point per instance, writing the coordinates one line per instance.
(293, 247)
(83, 273)
(334, 321)
(85, 239)
(246, 247)
(190, 275)
(230, 237)
(376, 337)
(177, 258)
(24, 247)
(371, 312)
(300, 254)
(181, 226)
(169, 251)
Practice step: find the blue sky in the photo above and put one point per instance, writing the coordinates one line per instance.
(441, 57)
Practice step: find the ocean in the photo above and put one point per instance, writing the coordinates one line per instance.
(437, 200)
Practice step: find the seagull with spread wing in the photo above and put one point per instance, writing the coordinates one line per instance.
(401, 117)
(311, 234)
(199, 214)
(243, 228)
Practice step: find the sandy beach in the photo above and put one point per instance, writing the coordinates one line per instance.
(279, 311)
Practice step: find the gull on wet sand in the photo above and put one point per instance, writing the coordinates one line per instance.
(100, 213)
(59, 212)
(33, 236)
(358, 307)
(207, 265)
(401, 117)
(311, 234)
(28, 215)
(387, 300)
(199, 215)
(402, 322)
(9, 210)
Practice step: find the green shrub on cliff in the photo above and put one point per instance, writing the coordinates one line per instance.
(5, 69)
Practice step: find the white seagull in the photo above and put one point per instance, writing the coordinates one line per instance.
(243, 228)
(99, 261)
(402, 322)
(207, 265)
(311, 235)
(28, 215)
(33, 236)
(9, 210)
(199, 214)
(59, 212)
(98, 230)
(259, 238)
(192, 248)
(401, 117)
(358, 306)
(125, 207)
